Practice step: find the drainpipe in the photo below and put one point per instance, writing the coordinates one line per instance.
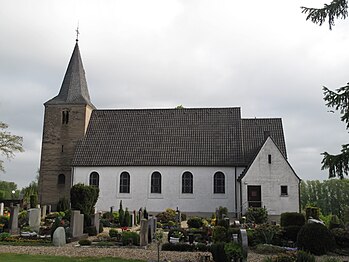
(236, 196)
(240, 197)
(299, 196)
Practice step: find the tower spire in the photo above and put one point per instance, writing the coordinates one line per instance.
(77, 33)
(74, 87)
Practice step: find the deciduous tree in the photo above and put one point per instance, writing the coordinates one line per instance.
(9, 144)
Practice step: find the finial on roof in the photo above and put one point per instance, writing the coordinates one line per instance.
(77, 33)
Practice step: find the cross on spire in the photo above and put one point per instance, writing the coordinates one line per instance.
(77, 33)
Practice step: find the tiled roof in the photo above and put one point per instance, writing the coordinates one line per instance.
(162, 137)
(255, 131)
(74, 87)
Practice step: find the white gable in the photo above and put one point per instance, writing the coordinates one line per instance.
(272, 173)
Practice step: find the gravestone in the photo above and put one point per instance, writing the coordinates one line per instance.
(237, 223)
(49, 209)
(244, 244)
(134, 217)
(155, 221)
(13, 224)
(178, 218)
(77, 223)
(43, 211)
(144, 233)
(151, 230)
(58, 238)
(95, 220)
(34, 219)
(131, 220)
(1, 209)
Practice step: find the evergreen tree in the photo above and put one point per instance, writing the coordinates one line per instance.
(336, 9)
(338, 165)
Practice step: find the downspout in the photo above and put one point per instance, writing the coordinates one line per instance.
(236, 197)
(299, 196)
(240, 197)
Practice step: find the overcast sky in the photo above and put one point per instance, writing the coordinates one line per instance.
(261, 56)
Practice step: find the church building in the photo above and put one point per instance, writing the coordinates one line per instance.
(196, 159)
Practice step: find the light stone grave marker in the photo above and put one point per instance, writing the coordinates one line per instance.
(1, 209)
(144, 232)
(58, 238)
(34, 219)
(77, 223)
(13, 225)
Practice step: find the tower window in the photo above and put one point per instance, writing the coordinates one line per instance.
(61, 179)
(269, 159)
(65, 117)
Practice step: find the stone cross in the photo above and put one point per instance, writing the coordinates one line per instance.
(77, 223)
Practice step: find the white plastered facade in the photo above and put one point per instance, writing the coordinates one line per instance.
(270, 177)
(202, 201)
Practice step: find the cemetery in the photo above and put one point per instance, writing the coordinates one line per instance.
(170, 234)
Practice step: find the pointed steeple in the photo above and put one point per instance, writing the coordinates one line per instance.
(74, 87)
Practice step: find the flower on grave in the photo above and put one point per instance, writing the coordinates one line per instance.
(124, 228)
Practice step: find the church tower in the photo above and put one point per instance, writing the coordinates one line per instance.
(65, 122)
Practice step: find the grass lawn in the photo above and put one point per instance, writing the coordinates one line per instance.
(38, 258)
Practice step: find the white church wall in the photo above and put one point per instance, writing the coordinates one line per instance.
(203, 200)
(271, 176)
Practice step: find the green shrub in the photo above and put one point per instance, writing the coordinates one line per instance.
(292, 219)
(129, 238)
(222, 212)
(341, 236)
(269, 249)
(33, 200)
(218, 253)
(181, 247)
(313, 212)
(331, 259)
(183, 217)
(220, 234)
(4, 236)
(101, 229)
(223, 223)
(91, 230)
(257, 215)
(171, 223)
(63, 204)
(335, 222)
(305, 257)
(5, 221)
(201, 247)
(195, 222)
(113, 233)
(291, 232)
(233, 251)
(178, 233)
(285, 257)
(166, 216)
(84, 242)
(158, 225)
(252, 241)
(105, 222)
(316, 239)
(23, 219)
(268, 234)
(84, 198)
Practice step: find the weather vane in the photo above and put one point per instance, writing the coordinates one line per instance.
(77, 32)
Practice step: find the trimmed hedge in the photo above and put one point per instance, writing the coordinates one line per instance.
(195, 222)
(130, 238)
(316, 239)
(291, 232)
(292, 219)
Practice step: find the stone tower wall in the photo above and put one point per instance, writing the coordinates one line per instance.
(58, 147)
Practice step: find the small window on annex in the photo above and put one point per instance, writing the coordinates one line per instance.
(124, 182)
(284, 191)
(155, 186)
(187, 183)
(219, 183)
(61, 179)
(94, 179)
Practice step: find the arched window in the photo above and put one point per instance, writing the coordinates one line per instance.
(65, 117)
(219, 183)
(61, 179)
(94, 179)
(155, 183)
(187, 183)
(124, 182)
